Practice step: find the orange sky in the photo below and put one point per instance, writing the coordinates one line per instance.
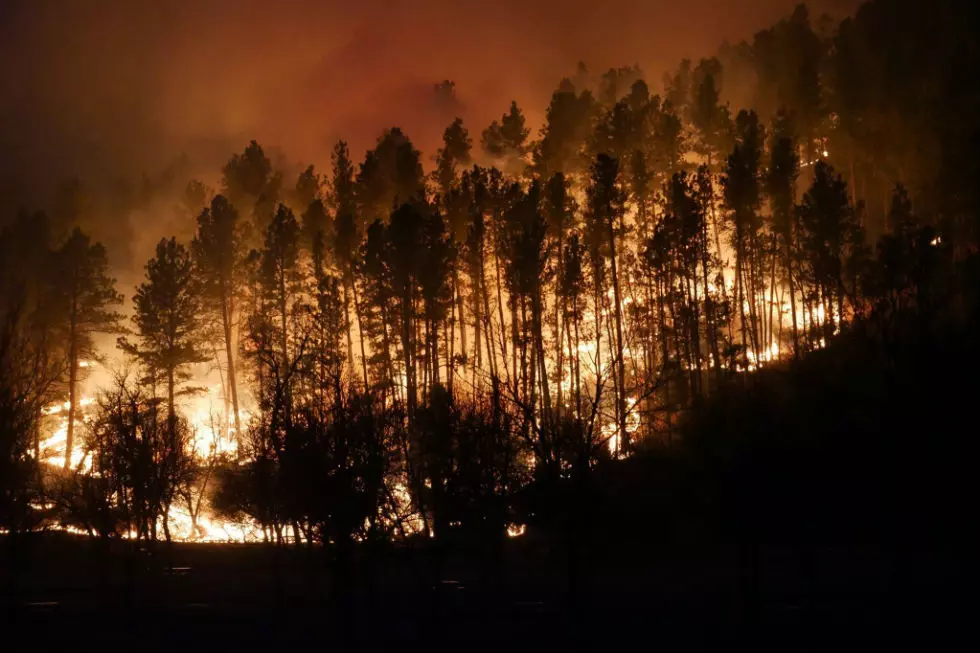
(106, 87)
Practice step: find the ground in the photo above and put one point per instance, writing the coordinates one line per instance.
(228, 597)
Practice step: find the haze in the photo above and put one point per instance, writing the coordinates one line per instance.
(111, 88)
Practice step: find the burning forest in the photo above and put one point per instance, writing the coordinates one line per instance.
(484, 341)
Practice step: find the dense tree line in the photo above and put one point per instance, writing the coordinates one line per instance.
(438, 353)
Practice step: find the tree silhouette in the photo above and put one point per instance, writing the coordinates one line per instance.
(709, 118)
(831, 234)
(742, 193)
(455, 152)
(141, 458)
(390, 175)
(346, 236)
(88, 294)
(167, 319)
(281, 281)
(780, 185)
(307, 189)
(567, 128)
(525, 234)
(246, 179)
(218, 257)
(605, 230)
(506, 139)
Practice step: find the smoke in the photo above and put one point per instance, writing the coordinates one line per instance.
(108, 89)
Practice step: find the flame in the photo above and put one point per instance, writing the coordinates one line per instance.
(212, 423)
(52, 448)
(208, 528)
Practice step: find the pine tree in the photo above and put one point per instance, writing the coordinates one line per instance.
(167, 318)
(710, 119)
(247, 181)
(742, 195)
(830, 233)
(282, 281)
(780, 184)
(218, 254)
(568, 126)
(390, 176)
(605, 229)
(455, 152)
(346, 238)
(404, 237)
(87, 292)
(559, 209)
(506, 139)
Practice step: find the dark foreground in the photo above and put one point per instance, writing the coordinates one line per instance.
(226, 597)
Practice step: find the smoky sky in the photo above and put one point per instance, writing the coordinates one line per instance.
(104, 88)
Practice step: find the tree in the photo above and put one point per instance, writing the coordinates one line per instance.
(741, 186)
(617, 133)
(88, 294)
(307, 189)
(567, 127)
(437, 292)
(788, 64)
(390, 175)
(141, 458)
(21, 392)
(559, 208)
(615, 83)
(404, 238)
(571, 283)
(218, 257)
(454, 152)
(831, 233)
(667, 146)
(343, 198)
(506, 139)
(605, 229)
(709, 118)
(246, 176)
(780, 182)
(167, 317)
(678, 86)
(281, 280)
(527, 272)
(34, 313)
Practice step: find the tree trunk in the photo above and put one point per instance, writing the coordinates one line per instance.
(349, 325)
(72, 381)
(360, 330)
(226, 316)
(665, 353)
(410, 390)
(739, 294)
(72, 398)
(459, 310)
(624, 444)
(792, 298)
(578, 362)
(709, 308)
(500, 311)
(284, 374)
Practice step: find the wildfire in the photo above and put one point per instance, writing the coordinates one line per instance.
(52, 448)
